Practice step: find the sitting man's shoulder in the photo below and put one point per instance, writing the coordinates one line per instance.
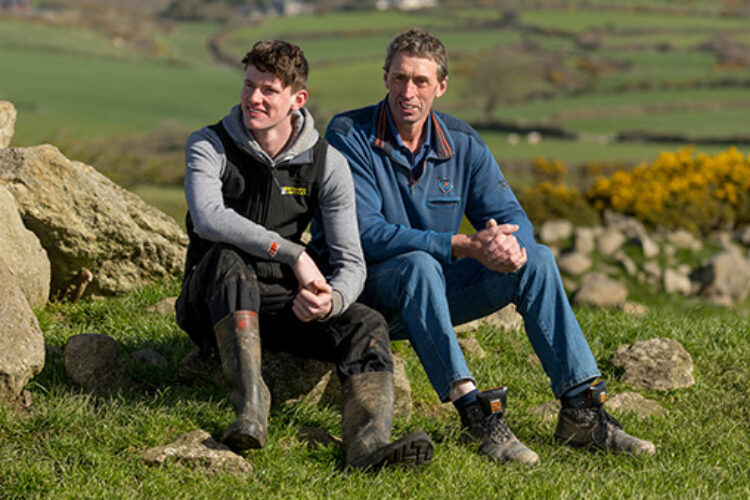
(355, 119)
(459, 129)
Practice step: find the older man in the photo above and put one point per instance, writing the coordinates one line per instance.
(416, 173)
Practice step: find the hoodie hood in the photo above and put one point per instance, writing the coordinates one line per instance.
(304, 137)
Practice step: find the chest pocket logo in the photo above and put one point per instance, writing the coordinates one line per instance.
(446, 185)
(293, 190)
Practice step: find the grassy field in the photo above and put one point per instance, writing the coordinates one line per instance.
(74, 445)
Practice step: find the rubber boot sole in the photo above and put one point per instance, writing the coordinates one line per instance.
(242, 439)
(414, 449)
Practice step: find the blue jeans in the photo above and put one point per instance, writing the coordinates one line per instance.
(422, 299)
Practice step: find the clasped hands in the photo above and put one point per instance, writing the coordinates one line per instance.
(497, 248)
(314, 299)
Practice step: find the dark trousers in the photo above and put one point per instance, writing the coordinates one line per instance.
(227, 280)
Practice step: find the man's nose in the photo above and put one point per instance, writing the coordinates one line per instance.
(254, 95)
(409, 89)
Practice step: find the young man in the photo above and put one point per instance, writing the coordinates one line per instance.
(416, 173)
(253, 182)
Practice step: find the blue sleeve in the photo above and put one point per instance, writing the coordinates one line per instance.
(380, 238)
(490, 197)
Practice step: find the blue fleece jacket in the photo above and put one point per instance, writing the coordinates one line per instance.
(398, 213)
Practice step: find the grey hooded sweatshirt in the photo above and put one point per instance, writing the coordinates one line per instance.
(205, 162)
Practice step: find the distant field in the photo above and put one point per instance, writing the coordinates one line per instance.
(79, 83)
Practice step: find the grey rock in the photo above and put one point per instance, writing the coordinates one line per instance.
(84, 220)
(630, 227)
(683, 238)
(148, 357)
(660, 363)
(467, 327)
(547, 411)
(291, 379)
(585, 240)
(165, 307)
(554, 231)
(676, 282)
(627, 263)
(471, 347)
(632, 402)
(91, 361)
(599, 290)
(669, 250)
(726, 242)
(198, 450)
(650, 247)
(23, 253)
(574, 263)
(634, 309)
(193, 369)
(653, 270)
(21, 339)
(610, 241)
(724, 279)
(743, 236)
(506, 318)
(7, 122)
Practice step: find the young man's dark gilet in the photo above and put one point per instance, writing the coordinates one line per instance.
(283, 198)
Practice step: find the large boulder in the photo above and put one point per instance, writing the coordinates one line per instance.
(7, 122)
(23, 253)
(21, 339)
(84, 220)
(599, 290)
(724, 279)
(291, 378)
(661, 364)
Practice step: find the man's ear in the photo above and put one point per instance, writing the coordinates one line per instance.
(299, 99)
(442, 87)
(385, 79)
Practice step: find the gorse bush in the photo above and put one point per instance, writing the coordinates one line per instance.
(552, 198)
(698, 192)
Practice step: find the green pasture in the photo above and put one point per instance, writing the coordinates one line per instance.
(71, 444)
(75, 83)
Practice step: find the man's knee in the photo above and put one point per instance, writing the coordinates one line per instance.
(416, 269)
(368, 346)
(540, 259)
(227, 263)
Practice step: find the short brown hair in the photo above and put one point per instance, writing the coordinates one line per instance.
(419, 43)
(283, 59)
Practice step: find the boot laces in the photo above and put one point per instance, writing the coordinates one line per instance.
(604, 423)
(497, 427)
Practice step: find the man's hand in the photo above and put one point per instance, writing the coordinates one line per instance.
(313, 302)
(314, 299)
(494, 246)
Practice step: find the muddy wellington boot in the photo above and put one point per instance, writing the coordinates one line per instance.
(366, 419)
(238, 338)
(583, 422)
(484, 425)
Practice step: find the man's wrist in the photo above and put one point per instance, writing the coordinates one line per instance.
(463, 245)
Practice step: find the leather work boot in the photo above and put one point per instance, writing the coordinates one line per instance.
(238, 338)
(583, 421)
(366, 419)
(483, 424)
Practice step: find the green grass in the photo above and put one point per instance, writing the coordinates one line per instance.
(74, 445)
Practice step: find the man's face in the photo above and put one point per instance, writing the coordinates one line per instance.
(266, 102)
(413, 85)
